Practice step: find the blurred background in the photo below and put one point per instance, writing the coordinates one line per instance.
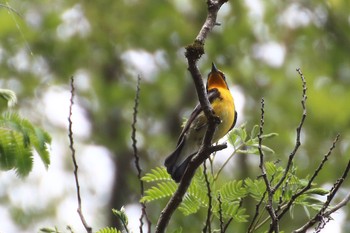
(105, 45)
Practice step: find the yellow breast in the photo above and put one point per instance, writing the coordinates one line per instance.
(225, 109)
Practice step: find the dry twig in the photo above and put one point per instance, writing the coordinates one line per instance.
(71, 146)
(137, 158)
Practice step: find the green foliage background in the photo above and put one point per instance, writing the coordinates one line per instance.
(53, 40)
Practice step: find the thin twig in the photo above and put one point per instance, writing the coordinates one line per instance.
(207, 226)
(137, 158)
(270, 192)
(338, 206)
(9, 8)
(71, 146)
(323, 213)
(274, 224)
(252, 227)
(311, 180)
(227, 224)
(300, 126)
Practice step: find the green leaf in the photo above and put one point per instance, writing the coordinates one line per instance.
(108, 230)
(18, 137)
(263, 148)
(249, 150)
(255, 188)
(178, 230)
(233, 210)
(317, 191)
(163, 189)
(254, 132)
(41, 140)
(156, 174)
(233, 138)
(307, 212)
(232, 190)
(49, 230)
(9, 96)
(189, 205)
(121, 215)
(270, 135)
(271, 168)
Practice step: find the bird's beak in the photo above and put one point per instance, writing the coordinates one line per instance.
(213, 68)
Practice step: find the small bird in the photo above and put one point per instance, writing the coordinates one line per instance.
(194, 130)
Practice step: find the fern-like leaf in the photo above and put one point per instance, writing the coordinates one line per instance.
(18, 137)
(9, 96)
(156, 174)
(198, 188)
(255, 188)
(189, 205)
(163, 189)
(233, 210)
(233, 190)
(109, 230)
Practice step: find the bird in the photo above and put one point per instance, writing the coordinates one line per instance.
(194, 130)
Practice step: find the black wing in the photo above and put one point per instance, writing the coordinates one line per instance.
(212, 95)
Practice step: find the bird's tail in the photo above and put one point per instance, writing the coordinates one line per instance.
(176, 165)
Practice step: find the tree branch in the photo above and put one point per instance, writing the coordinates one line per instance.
(71, 146)
(193, 53)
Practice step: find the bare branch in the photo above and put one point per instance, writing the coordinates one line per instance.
(297, 142)
(270, 192)
(308, 186)
(136, 156)
(71, 146)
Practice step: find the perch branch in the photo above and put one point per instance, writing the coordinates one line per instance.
(193, 53)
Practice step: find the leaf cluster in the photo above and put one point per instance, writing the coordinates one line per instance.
(18, 140)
